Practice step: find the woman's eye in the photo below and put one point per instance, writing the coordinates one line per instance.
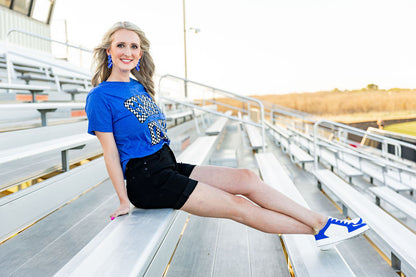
(121, 45)
(134, 46)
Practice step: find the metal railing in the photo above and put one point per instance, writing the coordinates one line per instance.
(343, 131)
(245, 99)
(305, 119)
(297, 114)
(378, 162)
(342, 150)
(8, 62)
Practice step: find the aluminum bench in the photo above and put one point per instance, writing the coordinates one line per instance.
(141, 243)
(298, 155)
(306, 258)
(75, 91)
(254, 135)
(25, 207)
(331, 156)
(32, 89)
(42, 108)
(30, 161)
(395, 199)
(174, 116)
(399, 242)
(219, 124)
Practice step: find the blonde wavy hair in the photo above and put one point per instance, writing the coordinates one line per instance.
(147, 67)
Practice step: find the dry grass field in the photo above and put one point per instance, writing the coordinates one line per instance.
(349, 106)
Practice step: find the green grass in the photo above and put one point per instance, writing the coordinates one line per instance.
(408, 128)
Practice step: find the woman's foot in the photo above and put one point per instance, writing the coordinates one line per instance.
(336, 231)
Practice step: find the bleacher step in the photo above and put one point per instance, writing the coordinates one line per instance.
(225, 157)
(45, 247)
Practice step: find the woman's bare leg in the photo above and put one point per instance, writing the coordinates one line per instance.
(210, 201)
(247, 183)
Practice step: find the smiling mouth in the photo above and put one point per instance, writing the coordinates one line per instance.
(126, 61)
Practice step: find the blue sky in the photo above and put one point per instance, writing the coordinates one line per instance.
(265, 46)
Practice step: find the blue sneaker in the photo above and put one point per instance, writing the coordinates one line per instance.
(336, 231)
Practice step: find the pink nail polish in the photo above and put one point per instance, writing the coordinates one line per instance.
(112, 217)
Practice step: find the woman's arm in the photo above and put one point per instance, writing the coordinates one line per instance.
(112, 162)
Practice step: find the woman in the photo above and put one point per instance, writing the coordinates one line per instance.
(132, 131)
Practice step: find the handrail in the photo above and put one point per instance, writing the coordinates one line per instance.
(223, 92)
(371, 158)
(301, 115)
(46, 38)
(274, 129)
(210, 111)
(224, 105)
(8, 64)
(355, 153)
(304, 117)
(385, 141)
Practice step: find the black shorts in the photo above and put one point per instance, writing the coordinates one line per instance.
(158, 181)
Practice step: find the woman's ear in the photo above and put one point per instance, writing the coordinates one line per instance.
(107, 51)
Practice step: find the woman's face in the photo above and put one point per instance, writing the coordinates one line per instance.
(125, 50)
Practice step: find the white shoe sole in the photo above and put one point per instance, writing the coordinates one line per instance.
(331, 242)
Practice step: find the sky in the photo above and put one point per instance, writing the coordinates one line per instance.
(263, 46)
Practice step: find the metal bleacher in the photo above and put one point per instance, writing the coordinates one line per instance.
(56, 198)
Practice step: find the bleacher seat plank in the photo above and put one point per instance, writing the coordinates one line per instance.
(37, 106)
(142, 243)
(75, 91)
(25, 207)
(298, 155)
(42, 108)
(306, 258)
(59, 144)
(28, 77)
(393, 198)
(331, 156)
(24, 162)
(174, 116)
(32, 89)
(406, 177)
(217, 127)
(377, 170)
(35, 135)
(254, 135)
(121, 247)
(397, 185)
(399, 239)
(43, 248)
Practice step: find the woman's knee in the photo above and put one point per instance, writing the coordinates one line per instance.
(249, 180)
(239, 209)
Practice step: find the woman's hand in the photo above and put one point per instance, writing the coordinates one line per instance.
(123, 209)
(112, 162)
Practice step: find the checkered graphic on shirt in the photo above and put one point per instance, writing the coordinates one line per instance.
(162, 124)
(142, 107)
(156, 132)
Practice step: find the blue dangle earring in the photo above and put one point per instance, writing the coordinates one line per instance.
(138, 66)
(109, 61)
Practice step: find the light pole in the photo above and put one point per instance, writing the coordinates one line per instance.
(196, 30)
(184, 47)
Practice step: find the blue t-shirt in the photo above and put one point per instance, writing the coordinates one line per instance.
(128, 111)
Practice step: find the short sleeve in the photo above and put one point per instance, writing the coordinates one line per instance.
(98, 113)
